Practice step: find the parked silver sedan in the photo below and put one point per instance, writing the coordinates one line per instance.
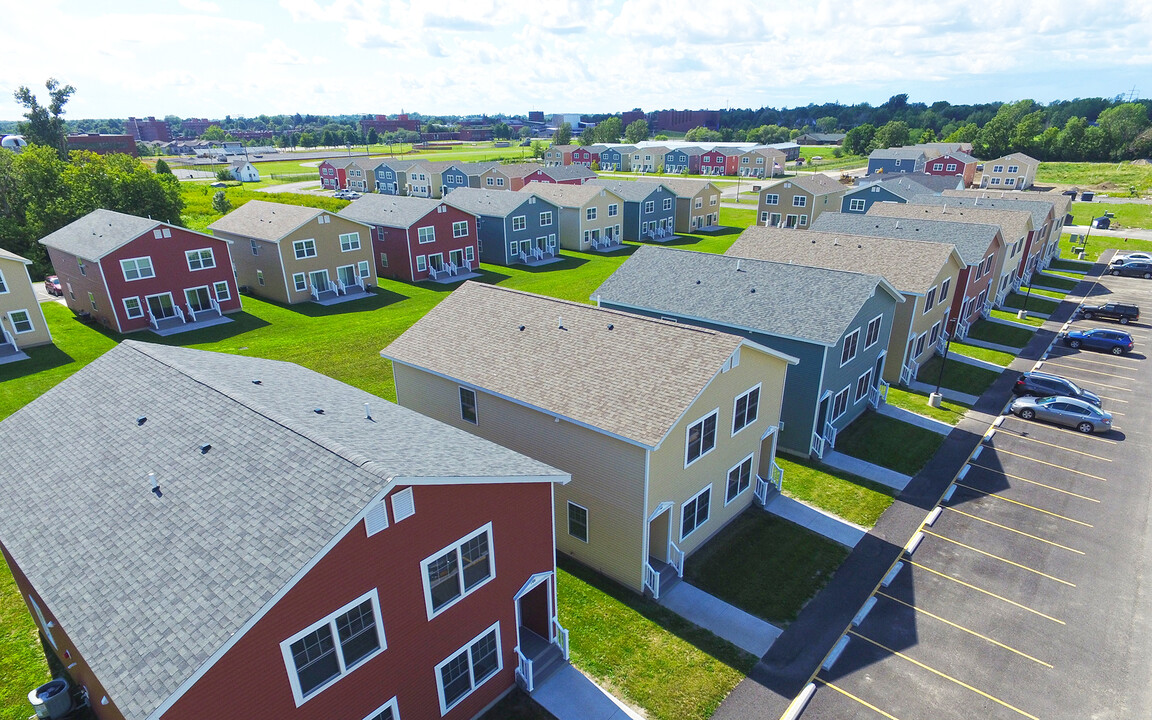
(1066, 411)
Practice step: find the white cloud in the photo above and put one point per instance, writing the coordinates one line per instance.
(200, 6)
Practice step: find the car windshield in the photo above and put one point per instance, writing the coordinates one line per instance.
(1075, 388)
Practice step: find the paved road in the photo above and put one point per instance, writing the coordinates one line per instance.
(1136, 233)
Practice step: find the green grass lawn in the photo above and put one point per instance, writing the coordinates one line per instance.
(22, 665)
(765, 566)
(888, 442)
(1041, 293)
(958, 376)
(1069, 266)
(1033, 319)
(1035, 303)
(1001, 334)
(1110, 177)
(980, 353)
(646, 654)
(849, 496)
(1126, 215)
(917, 402)
(1058, 279)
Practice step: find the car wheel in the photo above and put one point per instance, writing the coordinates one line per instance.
(1027, 413)
(1117, 350)
(1124, 320)
(1116, 273)
(1087, 316)
(1147, 276)
(1073, 344)
(1085, 427)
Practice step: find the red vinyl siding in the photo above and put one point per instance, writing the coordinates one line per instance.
(403, 244)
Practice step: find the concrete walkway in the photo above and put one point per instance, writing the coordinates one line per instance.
(953, 395)
(570, 695)
(961, 357)
(815, 519)
(866, 470)
(743, 630)
(912, 418)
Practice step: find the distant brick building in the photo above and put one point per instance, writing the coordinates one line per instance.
(382, 124)
(194, 127)
(149, 130)
(103, 144)
(683, 120)
(632, 116)
(535, 116)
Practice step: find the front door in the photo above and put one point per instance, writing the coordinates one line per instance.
(660, 532)
(319, 280)
(535, 613)
(456, 257)
(161, 306)
(526, 247)
(347, 275)
(198, 299)
(767, 453)
(436, 261)
(774, 220)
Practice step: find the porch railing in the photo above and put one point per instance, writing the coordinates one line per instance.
(761, 491)
(908, 371)
(180, 314)
(962, 329)
(333, 287)
(341, 288)
(215, 305)
(561, 637)
(524, 670)
(941, 343)
(8, 339)
(676, 555)
(818, 446)
(313, 291)
(652, 580)
(830, 434)
(777, 476)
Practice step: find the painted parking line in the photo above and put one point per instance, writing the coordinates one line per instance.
(1020, 434)
(989, 593)
(1037, 483)
(997, 557)
(998, 496)
(1018, 532)
(945, 676)
(997, 643)
(1080, 357)
(1045, 462)
(1048, 365)
(850, 696)
(1093, 372)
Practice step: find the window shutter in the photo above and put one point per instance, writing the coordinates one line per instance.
(403, 505)
(376, 519)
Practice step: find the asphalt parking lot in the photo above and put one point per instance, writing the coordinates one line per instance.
(1026, 595)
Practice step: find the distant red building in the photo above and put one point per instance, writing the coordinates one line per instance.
(683, 120)
(382, 124)
(150, 130)
(194, 127)
(103, 144)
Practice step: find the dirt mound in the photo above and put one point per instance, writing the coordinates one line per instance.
(1142, 161)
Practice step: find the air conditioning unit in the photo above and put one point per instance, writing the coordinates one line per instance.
(52, 700)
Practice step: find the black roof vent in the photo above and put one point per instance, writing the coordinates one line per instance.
(141, 420)
(319, 411)
(205, 448)
(521, 328)
(610, 326)
(753, 290)
(257, 382)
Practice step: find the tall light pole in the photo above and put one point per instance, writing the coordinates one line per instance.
(935, 398)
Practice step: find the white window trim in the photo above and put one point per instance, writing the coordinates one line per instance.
(420, 238)
(227, 291)
(864, 396)
(475, 404)
(290, 663)
(847, 391)
(879, 329)
(461, 225)
(128, 310)
(734, 403)
(467, 649)
(751, 475)
(486, 528)
(930, 300)
(350, 247)
(688, 431)
(136, 265)
(519, 222)
(856, 350)
(706, 489)
(188, 254)
(301, 246)
(390, 705)
(587, 521)
(856, 205)
(297, 279)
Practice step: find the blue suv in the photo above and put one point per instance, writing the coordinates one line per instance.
(1113, 341)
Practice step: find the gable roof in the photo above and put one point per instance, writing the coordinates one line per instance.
(911, 266)
(570, 196)
(815, 184)
(563, 148)
(687, 187)
(395, 165)
(921, 183)
(898, 186)
(343, 162)
(1038, 211)
(1014, 224)
(630, 190)
(165, 582)
(474, 337)
(1016, 157)
(9, 255)
(692, 150)
(622, 149)
(99, 233)
(568, 172)
(1060, 202)
(971, 240)
(265, 220)
(398, 211)
(479, 201)
(723, 290)
(520, 170)
(897, 153)
(957, 155)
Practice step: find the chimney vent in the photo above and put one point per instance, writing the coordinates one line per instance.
(205, 448)
(141, 420)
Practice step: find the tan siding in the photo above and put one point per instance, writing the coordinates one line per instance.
(21, 296)
(246, 264)
(670, 481)
(328, 253)
(898, 339)
(607, 474)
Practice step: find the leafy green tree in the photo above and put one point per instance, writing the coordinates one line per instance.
(1122, 124)
(928, 136)
(587, 136)
(827, 124)
(214, 133)
(661, 136)
(224, 174)
(995, 137)
(857, 140)
(894, 133)
(373, 136)
(45, 125)
(767, 134)
(965, 133)
(221, 203)
(538, 148)
(525, 132)
(1025, 135)
(702, 134)
(500, 131)
(609, 130)
(162, 168)
(563, 134)
(307, 139)
(636, 131)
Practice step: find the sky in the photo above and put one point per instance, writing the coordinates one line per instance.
(211, 58)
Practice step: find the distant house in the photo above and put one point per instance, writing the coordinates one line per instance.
(390, 176)
(1051, 216)
(790, 149)
(617, 158)
(511, 228)
(418, 238)
(821, 138)
(559, 155)
(658, 467)
(22, 323)
(292, 254)
(649, 208)
(683, 160)
(508, 177)
(720, 161)
(575, 174)
(761, 162)
(1015, 171)
(245, 171)
(252, 519)
(896, 160)
(591, 217)
(953, 164)
(797, 201)
(840, 337)
(648, 159)
(462, 175)
(130, 273)
(697, 203)
(585, 156)
(859, 199)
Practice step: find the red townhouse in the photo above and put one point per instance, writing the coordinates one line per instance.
(562, 175)
(339, 556)
(720, 161)
(347, 174)
(130, 273)
(585, 156)
(332, 176)
(954, 164)
(418, 238)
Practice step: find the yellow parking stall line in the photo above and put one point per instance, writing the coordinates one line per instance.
(1029, 438)
(1112, 399)
(1079, 357)
(1017, 502)
(1018, 532)
(997, 643)
(1038, 484)
(850, 696)
(1044, 462)
(986, 592)
(934, 671)
(1097, 372)
(997, 557)
(1096, 384)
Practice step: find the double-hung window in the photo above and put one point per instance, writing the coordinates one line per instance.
(328, 650)
(613, 210)
(873, 333)
(349, 241)
(840, 404)
(137, 268)
(460, 229)
(578, 521)
(133, 308)
(739, 479)
(299, 282)
(649, 206)
(468, 668)
(21, 321)
(856, 205)
(695, 512)
(519, 222)
(468, 405)
(799, 200)
(771, 199)
(930, 300)
(545, 218)
(590, 213)
(200, 259)
(222, 291)
(944, 289)
(747, 410)
(457, 570)
(851, 343)
(667, 203)
(426, 235)
(701, 437)
(304, 249)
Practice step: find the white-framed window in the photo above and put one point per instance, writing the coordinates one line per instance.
(934, 335)
(764, 217)
(771, 199)
(930, 300)
(649, 206)
(944, 289)
(222, 291)
(578, 521)
(82, 268)
(613, 210)
(951, 167)
(132, 307)
(349, 241)
(469, 668)
(699, 203)
(856, 205)
(426, 235)
(21, 321)
(799, 200)
(938, 166)
(469, 254)
(201, 259)
(590, 213)
(489, 181)
(667, 203)
(713, 199)
(862, 384)
(326, 651)
(546, 218)
(299, 282)
(259, 277)
(997, 168)
(460, 229)
(1010, 181)
(994, 181)
(388, 711)
(468, 406)
(1013, 168)
(804, 220)
(840, 403)
(851, 343)
(363, 269)
(137, 268)
(700, 438)
(421, 263)
(304, 249)
(695, 512)
(3, 284)
(519, 222)
(872, 334)
(254, 247)
(456, 571)
(739, 480)
(920, 344)
(162, 233)
(499, 182)
(383, 260)
(746, 409)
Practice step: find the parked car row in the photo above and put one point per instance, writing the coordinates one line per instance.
(346, 195)
(1058, 400)
(1123, 313)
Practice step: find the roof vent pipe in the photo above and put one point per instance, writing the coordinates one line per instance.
(155, 484)
(367, 411)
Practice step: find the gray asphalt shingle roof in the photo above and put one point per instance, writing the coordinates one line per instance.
(162, 582)
(630, 190)
(750, 294)
(568, 172)
(1060, 203)
(389, 210)
(498, 203)
(816, 184)
(1014, 224)
(971, 240)
(98, 233)
(901, 153)
(265, 220)
(570, 196)
(1038, 210)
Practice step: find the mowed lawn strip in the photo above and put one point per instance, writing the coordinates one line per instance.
(917, 402)
(980, 353)
(645, 654)
(888, 442)
(1058, 279)
(22, 664)
(1033, 319)
(1035, 303)
(841, 493)
(765, 566)
(1000, 334)
(960, 376)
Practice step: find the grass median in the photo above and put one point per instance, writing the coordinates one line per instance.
(843, 494)
(888, 442)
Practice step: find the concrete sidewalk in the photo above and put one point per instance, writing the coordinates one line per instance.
(866, 470)
(570, 695)
(743, 630)
(815, 519)
(921, 421)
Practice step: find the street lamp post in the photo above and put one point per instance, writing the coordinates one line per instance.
(1023, 314)
(935, 397)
